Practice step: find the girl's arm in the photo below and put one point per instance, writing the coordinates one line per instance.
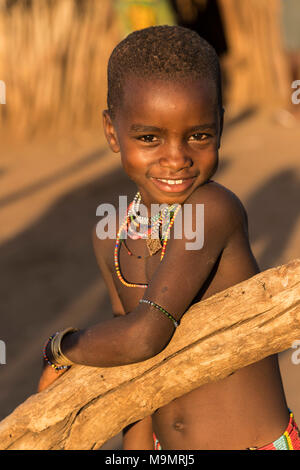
(145, 331)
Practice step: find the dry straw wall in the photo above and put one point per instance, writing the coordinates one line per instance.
(53, 56)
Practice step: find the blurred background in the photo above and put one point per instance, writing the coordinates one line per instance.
(55, 167)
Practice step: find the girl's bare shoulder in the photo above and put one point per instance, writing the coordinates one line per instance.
(221, 205)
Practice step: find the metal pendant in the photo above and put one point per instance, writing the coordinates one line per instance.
(153, 245)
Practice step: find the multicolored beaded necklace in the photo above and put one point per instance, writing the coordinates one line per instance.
(151, 224)
(170, 211)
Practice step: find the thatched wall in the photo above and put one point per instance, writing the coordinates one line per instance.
(53, 57)
(256, 62)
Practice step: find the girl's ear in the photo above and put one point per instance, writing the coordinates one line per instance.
(110, 132)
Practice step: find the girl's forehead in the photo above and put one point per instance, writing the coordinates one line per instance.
(144, 86)
(150, 97)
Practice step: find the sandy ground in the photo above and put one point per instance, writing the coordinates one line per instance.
(49, 192)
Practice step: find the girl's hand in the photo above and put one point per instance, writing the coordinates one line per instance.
(49, 375)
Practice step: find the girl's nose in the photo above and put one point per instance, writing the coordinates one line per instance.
(175, 158)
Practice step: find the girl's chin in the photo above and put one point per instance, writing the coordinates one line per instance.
(163, 197)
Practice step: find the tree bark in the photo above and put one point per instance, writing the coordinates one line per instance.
(230, 330)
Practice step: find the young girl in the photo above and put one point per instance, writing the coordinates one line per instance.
(165, 117)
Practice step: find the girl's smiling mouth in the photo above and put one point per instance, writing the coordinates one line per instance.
(173, 185)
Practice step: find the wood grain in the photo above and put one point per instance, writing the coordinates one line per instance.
(228, 331)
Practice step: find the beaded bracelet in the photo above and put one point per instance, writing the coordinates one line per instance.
(175, 322)
(55, 367)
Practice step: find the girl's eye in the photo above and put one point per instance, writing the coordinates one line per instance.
(148, 138)
(199, 137)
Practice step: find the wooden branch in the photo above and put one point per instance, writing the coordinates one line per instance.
(234, 328)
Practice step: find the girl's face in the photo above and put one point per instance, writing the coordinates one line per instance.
(168, 135)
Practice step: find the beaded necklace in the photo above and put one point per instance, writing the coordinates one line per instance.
(135, 212)
(119, 242)
(152, 224)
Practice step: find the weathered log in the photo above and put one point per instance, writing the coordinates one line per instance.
(232, 329)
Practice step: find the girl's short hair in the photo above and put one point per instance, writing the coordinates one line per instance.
(162, 52)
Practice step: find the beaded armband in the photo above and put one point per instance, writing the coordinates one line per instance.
(153, 304)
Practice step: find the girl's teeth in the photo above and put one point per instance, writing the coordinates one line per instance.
(172, 181)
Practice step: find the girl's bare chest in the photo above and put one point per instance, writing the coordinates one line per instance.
(133, 271)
